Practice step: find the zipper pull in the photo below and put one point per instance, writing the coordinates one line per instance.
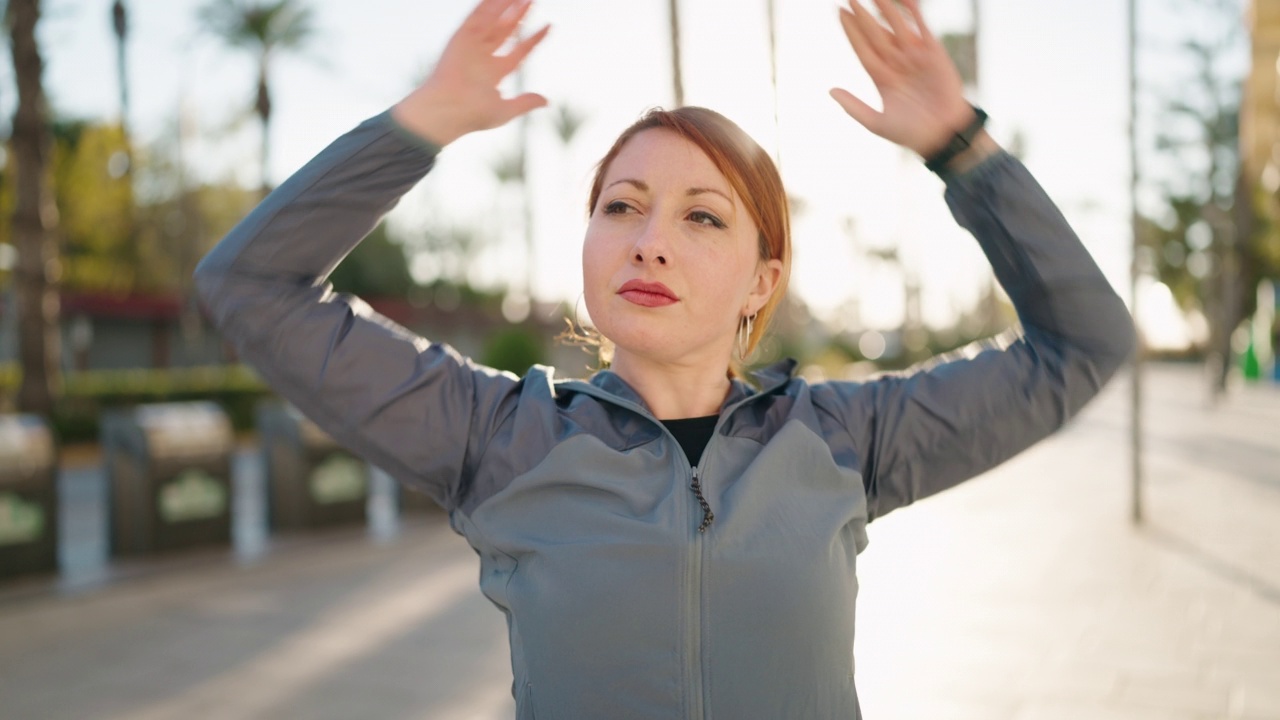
(707, 515)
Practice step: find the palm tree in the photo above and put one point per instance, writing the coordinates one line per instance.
(771, 11)
(262, 27)
(120, 24)
(568, 121)
(35, 219)
(677, 74)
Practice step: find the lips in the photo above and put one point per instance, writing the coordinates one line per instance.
(647, 294)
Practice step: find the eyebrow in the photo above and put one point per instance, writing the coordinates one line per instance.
(643, 186)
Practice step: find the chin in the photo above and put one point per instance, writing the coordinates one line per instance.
(652, 333)
(635, 336)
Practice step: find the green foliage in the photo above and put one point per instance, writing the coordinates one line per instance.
(514, 349)
(567, 122)
(258, 25)
(445, 252)
(509, 167)
(95, 207)
(376, 268)
(448, 296)
(76, 415)
(1178, 254)
(264, 28)
(1260, 249)
(114, 241)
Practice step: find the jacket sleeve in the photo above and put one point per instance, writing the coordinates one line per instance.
(414, 408)
(925, 431)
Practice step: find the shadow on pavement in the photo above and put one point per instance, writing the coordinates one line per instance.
(1224, 569)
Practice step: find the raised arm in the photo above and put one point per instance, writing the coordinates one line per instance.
(414, 408)
(917, 434)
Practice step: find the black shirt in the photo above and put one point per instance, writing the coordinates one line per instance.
(693, 434)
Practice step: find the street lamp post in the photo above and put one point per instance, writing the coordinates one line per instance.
(1135, 270)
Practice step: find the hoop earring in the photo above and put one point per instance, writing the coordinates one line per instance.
(744, 336)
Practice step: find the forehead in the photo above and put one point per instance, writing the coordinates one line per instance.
(662, 156)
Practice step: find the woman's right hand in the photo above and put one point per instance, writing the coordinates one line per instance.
(461, 93)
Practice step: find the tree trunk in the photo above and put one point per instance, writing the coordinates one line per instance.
(677, 73)
(1230, 233)
(771, 12)
(35, 221)
(263, 106)
(120, 24)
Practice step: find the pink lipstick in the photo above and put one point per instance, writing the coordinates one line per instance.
(647, 294)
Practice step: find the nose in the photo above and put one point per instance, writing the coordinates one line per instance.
(651, 245)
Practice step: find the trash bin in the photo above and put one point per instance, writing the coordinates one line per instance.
(169, 472)
(312, 481)
(28, 497)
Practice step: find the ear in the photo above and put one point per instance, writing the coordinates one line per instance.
(768, 274)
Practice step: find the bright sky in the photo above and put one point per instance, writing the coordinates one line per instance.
(1055, 71)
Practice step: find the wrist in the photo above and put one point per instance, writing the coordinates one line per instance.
(428, 118)
(982, 147)
(951, 123)
(961, 140)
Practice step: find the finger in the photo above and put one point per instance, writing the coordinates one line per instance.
(516, 12)
(874, 65)
(510, 19)
(488, 11)
(521, 104)
(499, 28)
(858, 110)
(498, 21)
(914, 8)
(875, 35)
(512, 60)
(897, 23)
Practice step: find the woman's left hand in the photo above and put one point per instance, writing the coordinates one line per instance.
(920, 89)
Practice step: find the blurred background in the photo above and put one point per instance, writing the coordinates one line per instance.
(175, 541)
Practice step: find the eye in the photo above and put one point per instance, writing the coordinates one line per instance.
(701, 217)
(617, 207)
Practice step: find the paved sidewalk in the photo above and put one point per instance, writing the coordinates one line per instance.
(1024, 595)
(1028, 593)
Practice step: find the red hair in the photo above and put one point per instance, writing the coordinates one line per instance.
(750, 172)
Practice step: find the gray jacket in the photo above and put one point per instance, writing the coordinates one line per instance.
(577, 499)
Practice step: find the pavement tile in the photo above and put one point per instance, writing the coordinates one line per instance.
(1074, 681)
(1088, 710)
(1169, 695)
(937, 708)
(1255, 699)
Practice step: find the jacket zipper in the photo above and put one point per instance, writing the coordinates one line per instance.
(694, 573)
(694, 641)
(697, 550)
(707, 516)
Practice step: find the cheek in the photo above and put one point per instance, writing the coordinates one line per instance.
(732, 275)
(597, 266)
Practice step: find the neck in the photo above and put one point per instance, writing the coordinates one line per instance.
(674, 391)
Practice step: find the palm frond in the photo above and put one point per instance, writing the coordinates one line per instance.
(263, 25)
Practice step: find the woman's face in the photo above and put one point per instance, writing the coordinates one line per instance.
(671, 258)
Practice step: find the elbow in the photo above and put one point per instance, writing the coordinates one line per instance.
(204, 279)
(208, 281)
(1122, 340)
(1127, 342)
(1117, 343)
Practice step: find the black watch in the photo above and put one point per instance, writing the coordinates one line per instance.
(959, 142)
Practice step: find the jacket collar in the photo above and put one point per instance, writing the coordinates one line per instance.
(608, 385)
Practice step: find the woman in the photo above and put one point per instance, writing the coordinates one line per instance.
(664, 540)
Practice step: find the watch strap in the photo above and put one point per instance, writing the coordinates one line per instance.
(959, 142)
